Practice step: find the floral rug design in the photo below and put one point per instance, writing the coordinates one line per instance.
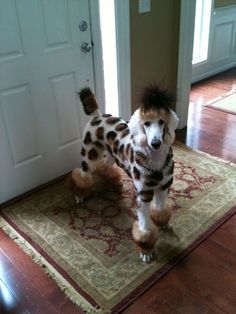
(88, 248)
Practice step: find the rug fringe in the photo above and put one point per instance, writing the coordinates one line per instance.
(71, 293)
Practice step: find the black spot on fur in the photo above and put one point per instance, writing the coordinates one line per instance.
(87, 139)
(127, 171)
(83, 151)
(111, 136)
(167, 185)
(109, 149)
(140, 158)
(92, 154)
(136, 173)
(171, 170)
(127, 149)
(112, 120)
(131, 155)
(119, 163)
(96, 121)
(116, 146)
(155, 176)
(138, 161)
(125, 133)
(151, 183)
(84, 166)
(98, 145)
(146, 196)
(121, 150)
(121, 126)
(100, 133)
(168, 160)
(106, 115)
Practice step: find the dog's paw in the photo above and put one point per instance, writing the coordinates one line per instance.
(146, 257)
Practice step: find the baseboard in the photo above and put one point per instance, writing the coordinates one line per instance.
(213, 72)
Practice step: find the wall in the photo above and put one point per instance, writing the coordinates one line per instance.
(154, 45)
(222, 3)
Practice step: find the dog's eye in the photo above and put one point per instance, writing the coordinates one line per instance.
(161, 122)
(147, 123)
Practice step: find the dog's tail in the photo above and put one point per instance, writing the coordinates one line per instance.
(89, 101)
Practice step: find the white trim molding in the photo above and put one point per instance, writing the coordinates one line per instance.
(122, 14)
(222, 44)
(187, 15)
(97, 52)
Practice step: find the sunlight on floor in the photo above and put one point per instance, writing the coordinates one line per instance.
(5, 296)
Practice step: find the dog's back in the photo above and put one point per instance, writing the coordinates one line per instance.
(104, 132)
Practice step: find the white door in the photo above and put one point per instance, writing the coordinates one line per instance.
(41, 68)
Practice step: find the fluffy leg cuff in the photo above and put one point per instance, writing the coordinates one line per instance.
(160, 218)
(145, 240)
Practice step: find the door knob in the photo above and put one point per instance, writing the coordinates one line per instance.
(83, 26)
(86, 47)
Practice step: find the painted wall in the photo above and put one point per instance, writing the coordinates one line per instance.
(154, 45)
(222, 3)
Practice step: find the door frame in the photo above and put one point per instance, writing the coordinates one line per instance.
(122, 17)
(122, 21)
(97, 52)
(186, 37)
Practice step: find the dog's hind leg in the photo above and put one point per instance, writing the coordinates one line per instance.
(81, 181)
(107, 171)
(159, 212)
(144, 231)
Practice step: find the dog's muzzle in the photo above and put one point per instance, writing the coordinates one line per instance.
(156, 143)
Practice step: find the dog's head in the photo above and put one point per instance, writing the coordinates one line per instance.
(154, 122)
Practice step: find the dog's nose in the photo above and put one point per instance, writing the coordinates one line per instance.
(156, 143)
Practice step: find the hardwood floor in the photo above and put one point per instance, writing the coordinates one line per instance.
(204, 282)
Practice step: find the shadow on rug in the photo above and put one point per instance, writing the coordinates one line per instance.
(88, 249)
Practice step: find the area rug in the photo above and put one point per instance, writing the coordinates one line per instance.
(226, 102)
(88, 249)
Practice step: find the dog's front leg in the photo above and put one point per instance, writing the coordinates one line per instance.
(144, 231)
(160, 213)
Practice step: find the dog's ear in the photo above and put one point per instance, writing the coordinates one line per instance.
(137, 130)
(172, 124)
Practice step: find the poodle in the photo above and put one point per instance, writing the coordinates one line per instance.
(142, 148)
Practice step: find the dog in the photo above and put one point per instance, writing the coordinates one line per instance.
(142, 148)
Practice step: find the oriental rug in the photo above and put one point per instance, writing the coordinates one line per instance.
(88, 249)
(226, 102)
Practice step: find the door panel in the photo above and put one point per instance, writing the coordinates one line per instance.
(42, 67)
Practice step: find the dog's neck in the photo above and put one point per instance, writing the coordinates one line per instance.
(158, 157)
(153, 159)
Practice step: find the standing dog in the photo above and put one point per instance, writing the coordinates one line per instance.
(142, 148)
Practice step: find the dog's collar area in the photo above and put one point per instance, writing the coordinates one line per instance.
(142, 161)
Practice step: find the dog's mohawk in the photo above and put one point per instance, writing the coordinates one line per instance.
(155, 97)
